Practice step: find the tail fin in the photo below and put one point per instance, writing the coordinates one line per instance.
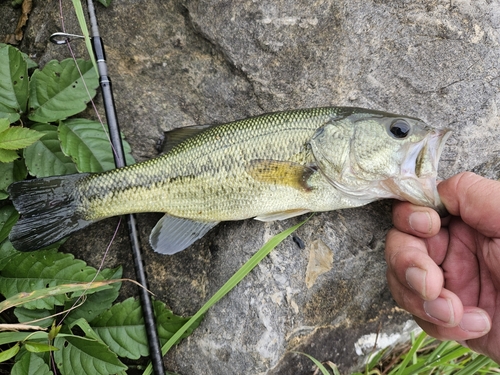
(49, 211)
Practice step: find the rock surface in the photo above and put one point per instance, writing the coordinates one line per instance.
(177, 63)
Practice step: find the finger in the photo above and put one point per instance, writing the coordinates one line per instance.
(410, 268)
(475, 323)
(471, 197)
(417, 220)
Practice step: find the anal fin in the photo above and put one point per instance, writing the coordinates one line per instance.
(173, 234)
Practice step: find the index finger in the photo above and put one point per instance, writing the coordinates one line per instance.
(475, 199)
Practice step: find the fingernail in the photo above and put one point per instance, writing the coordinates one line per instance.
(420, 222)
(415, 277)
(440, 309)
(475, 322)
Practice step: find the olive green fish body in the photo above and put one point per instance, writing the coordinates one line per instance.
(267, 167)
(215, 175)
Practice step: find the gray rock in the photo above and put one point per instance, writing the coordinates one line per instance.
(179, 63)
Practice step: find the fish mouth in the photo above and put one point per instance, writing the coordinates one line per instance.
(417, 183)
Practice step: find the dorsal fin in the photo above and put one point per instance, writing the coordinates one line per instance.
(175, 136)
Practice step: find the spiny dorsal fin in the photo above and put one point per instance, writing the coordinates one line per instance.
(175, 136)
(280, 173)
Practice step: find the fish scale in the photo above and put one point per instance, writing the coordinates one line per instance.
(269, 167)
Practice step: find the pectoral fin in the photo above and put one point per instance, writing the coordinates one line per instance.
(280, 173)
(173, 234)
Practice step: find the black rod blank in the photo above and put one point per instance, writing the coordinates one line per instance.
(119, 155)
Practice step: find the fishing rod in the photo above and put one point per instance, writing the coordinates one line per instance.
(119, 157)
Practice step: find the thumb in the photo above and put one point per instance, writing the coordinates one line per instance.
(475, 199)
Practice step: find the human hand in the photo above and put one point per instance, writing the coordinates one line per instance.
(447, 272)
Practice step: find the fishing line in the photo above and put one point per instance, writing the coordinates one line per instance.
(66, 38)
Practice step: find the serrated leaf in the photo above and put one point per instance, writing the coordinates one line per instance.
(25, 315)
(45, 157)
(79, 355)
(8, 217)
(9, 113)
(9, 353)
(8, 156)
(30, 364)
(17, 137)
(37, 271)
(9, 173)
(122, 327)
(24, 298)
(88, 145)
(58, 91)
(13, 80)
(95, 304)
(4, 124)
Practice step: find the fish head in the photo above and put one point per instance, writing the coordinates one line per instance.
(370, 155)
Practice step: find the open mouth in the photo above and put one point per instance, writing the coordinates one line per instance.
(426, 163)
(419, 171)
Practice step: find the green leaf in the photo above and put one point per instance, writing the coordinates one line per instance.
(7, 113)
(122, 327)
(168, 323)
(45, 157)
(31, 64)
(4, 124)
(6, 252)
(88, 145)
(79, 355)
(30, 364)
(24, 298)
(17, 137)
(37, 271)
(105, 2)
(58, 91)
(9, 173)
(10, 337)
(39, 347)
(9, 353)
(8, 156)
(13, 82)
(96, 303)
(8, 217)
(25, 315)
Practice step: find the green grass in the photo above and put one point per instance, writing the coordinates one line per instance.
(424, 355)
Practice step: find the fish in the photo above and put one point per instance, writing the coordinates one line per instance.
(270, 167)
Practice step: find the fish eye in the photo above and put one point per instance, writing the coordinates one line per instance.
(400, 128)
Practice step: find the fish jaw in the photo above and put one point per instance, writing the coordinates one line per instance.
(417, 180)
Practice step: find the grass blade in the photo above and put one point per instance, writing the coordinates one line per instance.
(230, 284)
(478, 363)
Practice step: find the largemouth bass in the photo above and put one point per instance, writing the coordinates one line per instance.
(269, 167)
